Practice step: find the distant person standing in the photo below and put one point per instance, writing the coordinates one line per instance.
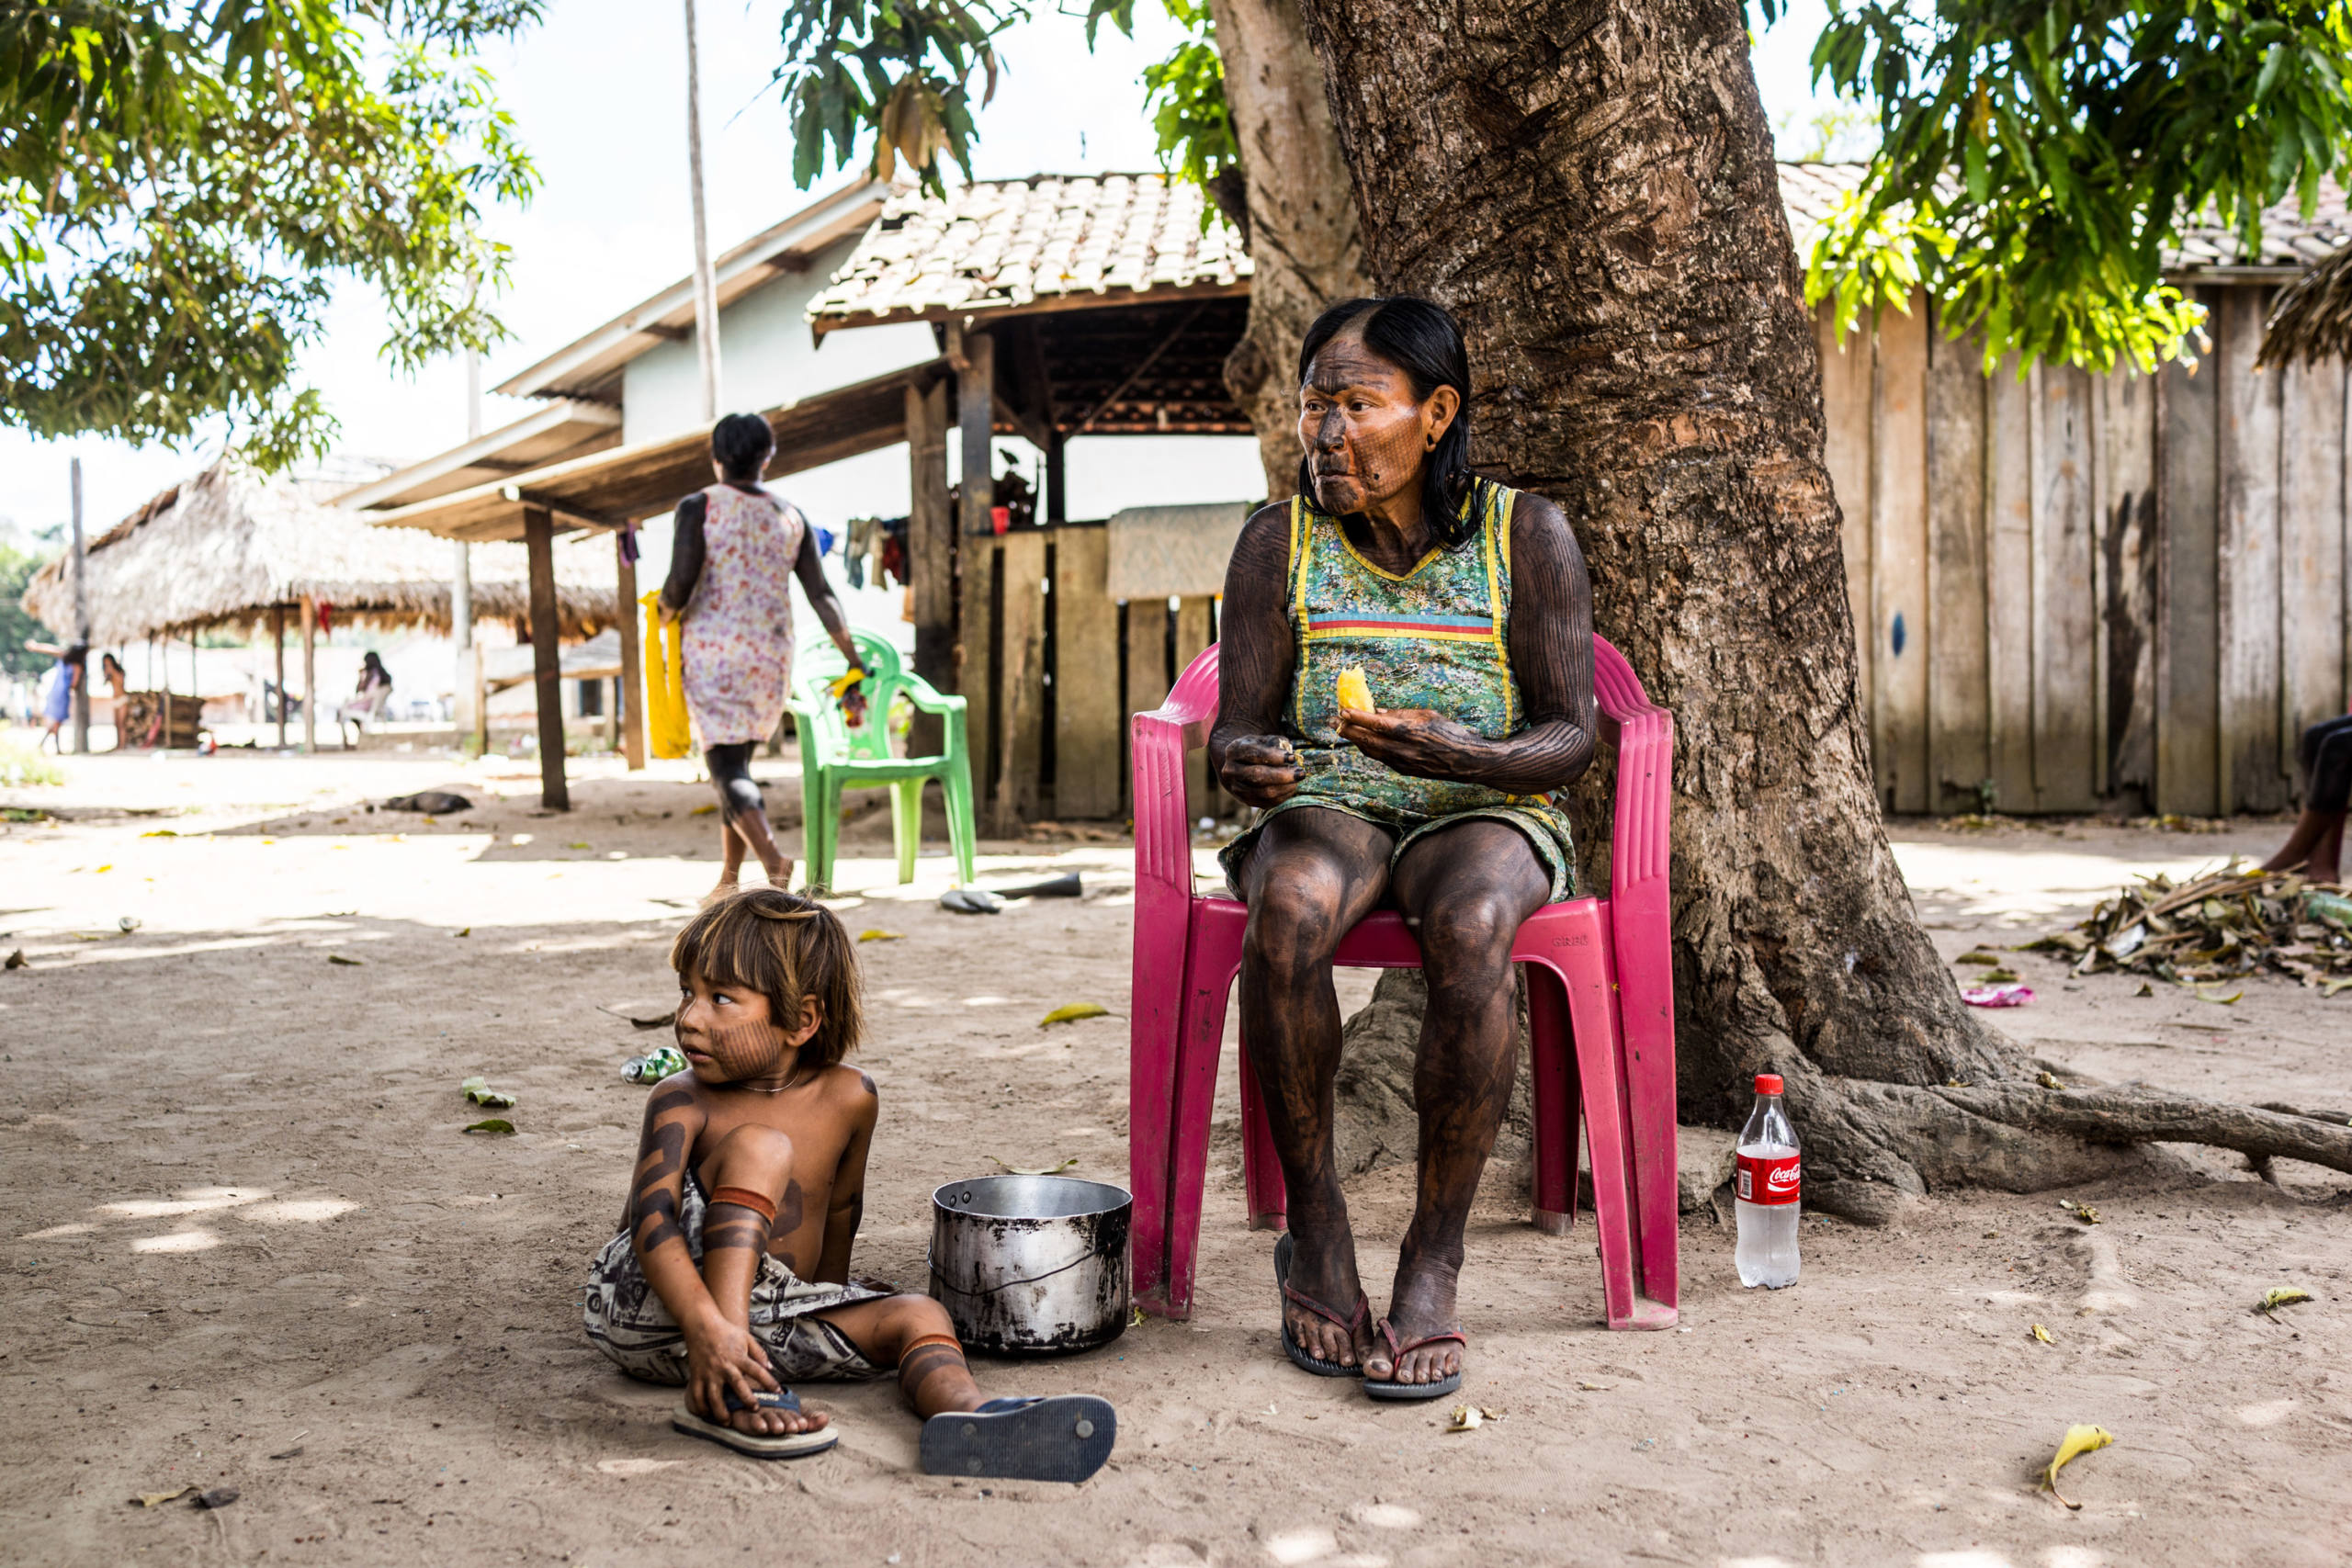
(366, 700)
(57, 695)
(118, 682)
(736, 550)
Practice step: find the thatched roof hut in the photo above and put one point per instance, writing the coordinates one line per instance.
(229, 546)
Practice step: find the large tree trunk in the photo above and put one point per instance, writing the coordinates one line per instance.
(1591, 188)
(1298, 216)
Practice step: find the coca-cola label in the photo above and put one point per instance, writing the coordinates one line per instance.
(1764, 1180)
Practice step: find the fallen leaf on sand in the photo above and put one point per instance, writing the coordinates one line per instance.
(1135, 1316)
(157, 1499)
(2048, 1080)
(2284, 1295)
(16, 959)
(1073, 1012)
(481, 1094)
(878, 934)
(491, 1125)
(580, 844)
(348, 963)
(2205, 994)
(2044, 1335)
(290, 1454)
(219, 1497)
(2082, 1211)
(1470, 1418)
(704, 811)
(1049, 1171)
(159, 833)
(463, 931)
(2146, 989)
(2079, 1440)
(1595, 1387)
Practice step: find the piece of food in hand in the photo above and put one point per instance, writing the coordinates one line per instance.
(1355, 692)
(844, 683)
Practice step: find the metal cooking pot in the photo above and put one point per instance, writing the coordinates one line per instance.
(1031, 1264)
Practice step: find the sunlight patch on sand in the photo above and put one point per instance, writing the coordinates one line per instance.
(299, 1212)
(190, 1201)
(177, 1241)
(55, 1231)
(2269, 1413)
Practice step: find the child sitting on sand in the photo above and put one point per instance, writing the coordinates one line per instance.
(730, 1273)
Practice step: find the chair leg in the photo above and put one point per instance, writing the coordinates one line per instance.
(1192, 1102)
(906, 825)
(820, 810)
(1551, 1071)
(961, 831)
(1261, 1166)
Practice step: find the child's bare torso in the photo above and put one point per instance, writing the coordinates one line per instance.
(822, 1116)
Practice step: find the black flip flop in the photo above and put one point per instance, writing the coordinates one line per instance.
(1388, 1388)
(1292, 1347)
(1067, 1438)
(759, 1444)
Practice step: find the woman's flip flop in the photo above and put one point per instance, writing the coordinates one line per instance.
(1292, 1347)
(759, 1444)
(1386, 1388)
(1067, 1438)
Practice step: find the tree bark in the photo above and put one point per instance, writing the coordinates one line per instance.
(1300, 220)
(1592, 190)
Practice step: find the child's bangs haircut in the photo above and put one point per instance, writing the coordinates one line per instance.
(786, 947)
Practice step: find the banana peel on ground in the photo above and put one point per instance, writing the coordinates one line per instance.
(2079, 1442)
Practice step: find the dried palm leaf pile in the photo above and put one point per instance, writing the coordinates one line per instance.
(2234, 922)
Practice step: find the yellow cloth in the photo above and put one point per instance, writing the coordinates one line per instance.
(665, 684)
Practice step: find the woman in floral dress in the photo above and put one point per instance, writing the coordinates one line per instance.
(736, 550)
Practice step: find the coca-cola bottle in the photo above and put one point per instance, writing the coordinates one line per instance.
(1766, 1188)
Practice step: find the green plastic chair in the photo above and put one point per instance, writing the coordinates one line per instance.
(833, 757)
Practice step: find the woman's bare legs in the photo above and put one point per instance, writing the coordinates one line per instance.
(744, 820)
(1464, 891)
(1313, 875)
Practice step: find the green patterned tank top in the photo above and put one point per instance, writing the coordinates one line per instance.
(1436, 638)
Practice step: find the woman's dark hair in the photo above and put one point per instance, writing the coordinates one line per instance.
(741, 440)
(1425, 343)
(108, 661)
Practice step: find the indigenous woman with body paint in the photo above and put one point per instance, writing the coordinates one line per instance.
(1467, 608)
(734, 554)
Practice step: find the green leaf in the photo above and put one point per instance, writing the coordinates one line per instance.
(491, 1125)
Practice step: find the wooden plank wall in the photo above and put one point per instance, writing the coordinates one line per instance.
(2076, 592)
(1046, 654)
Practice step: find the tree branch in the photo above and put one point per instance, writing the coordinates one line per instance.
(2149, 1116)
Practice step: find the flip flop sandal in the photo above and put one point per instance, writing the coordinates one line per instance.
(1299, 1353)
(759, 1444)
(1067, 1438)
(1386, 1388)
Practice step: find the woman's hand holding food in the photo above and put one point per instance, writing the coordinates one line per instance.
(1260, 770)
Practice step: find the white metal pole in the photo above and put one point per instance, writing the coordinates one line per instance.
(81, 620)
(461, 576)
(705, 284)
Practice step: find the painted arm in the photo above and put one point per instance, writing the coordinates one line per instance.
(1247, 748)
(1550, 654)
(810, 567)
(720, 1353)
(846, 1209)
(685, 555)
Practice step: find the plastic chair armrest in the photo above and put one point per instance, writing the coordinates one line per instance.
(926, 696)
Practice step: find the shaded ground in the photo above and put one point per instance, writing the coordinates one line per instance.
(238, 1220)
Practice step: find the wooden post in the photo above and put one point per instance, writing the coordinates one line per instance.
(628, 705)
(1056, 487)
(482, 704)
(1957, 714)
(310, 674)
(278, 646)
(976, 414)
(1020, 687)
(2187, 521)
(2246, 625)
(546, 653)
(931, 554)
(82, 669)
(1090, 732)
(1192, 636)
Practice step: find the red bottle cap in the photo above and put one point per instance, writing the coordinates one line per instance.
(1768, 1083)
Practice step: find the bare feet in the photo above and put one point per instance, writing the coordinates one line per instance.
(1423, 1304)
(2307, 842)
(1326, 1273)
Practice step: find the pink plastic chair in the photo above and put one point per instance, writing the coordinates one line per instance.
(1600, 1007)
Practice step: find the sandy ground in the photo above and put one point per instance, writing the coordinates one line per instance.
(247, 1242)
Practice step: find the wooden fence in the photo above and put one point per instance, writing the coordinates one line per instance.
(2076, 592)
(1051, 666)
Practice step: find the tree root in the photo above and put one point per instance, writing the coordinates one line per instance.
(2152, 1116)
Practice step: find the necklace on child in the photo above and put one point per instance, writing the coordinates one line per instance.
(779, 1088)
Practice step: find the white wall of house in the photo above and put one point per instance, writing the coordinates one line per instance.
(765, 356)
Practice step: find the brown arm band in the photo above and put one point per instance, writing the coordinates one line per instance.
(744, 1197)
